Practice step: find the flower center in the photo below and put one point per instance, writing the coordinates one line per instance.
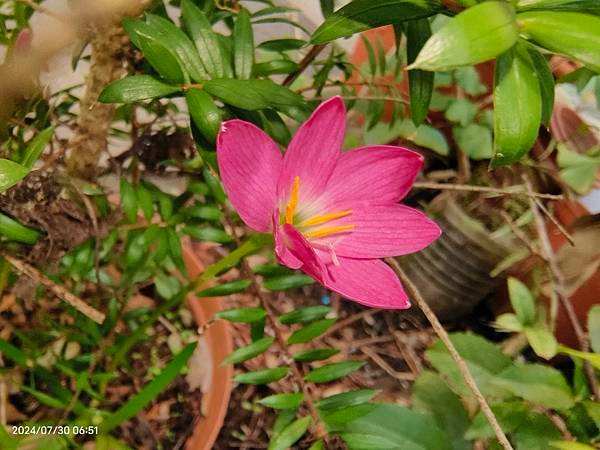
(290, 212)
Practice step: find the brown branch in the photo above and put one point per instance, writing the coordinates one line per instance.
(559, 287)
(556, 223)
(31, 272)
(491, 190)
(308, 58)
(462, 365)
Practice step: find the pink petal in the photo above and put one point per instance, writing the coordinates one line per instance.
(250, 164)
(314, 151)
(376, 174)
(381, 231)
(294, 251)
(369, 282)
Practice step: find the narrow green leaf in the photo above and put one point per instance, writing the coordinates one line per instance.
(243, 315)
(264, 376)
(315, 354)
(11, 173)
(334, 371)
(14, 231)
(283, 401)
(290, 434)
(275, 66)
(232, 287)
(573, 5)
(243, 45)
(14, 354)
(207, 234)
(361, 15)
(150, 391)
(592, 358)
(517, 106)
(44, 398)
(570, 445)
(282, 45)
(205, 114)
(572, 34)
(420, 82)
(204, 212)
(304, 315)
(145, 201)
(310, 331)
(522, 301)
(326, 7)
(317, 445)
(593, 326)
(546, 80)
(249, 351)
(475, 35)
(284, 282)
(128, 200)
(346, 399)
(135, 88)
(36, 147)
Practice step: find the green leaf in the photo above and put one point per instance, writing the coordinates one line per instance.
(475, 140)
(207, 234)
(145, 201)
(508, 322)
(205, 39)
(536, 433)
(249, 351)
(284, 282)
(128, 200)
(475, 35)
(283, 401)
(546, 80)
(259, 94)
(290, 434)
(14, 354)
(233, 287)
(243, 315)
(282, 45)
(346, 399)
(367, 441)
(420, 82)
(570, 445)
(522, 301)
(310, 331)
(243, 45)
(574, 5)
(577, 170)
(433, 139)
(326, 7)
(315, 354)
(14, 231)
(36, 147)
(542, 341)
(317, 445)
(510, 414)
(517, 106)
(275, 66)
(571, 34)
(304, 315)
(361, 15)
(264, 376)
(593, 358)
(11, 173)
(461, 111)
(150, 391)
(205, 114)
(538, 384)
(204, 212)
(334, 371)
(593, 326)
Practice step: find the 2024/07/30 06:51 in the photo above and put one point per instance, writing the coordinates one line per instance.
(54, 429)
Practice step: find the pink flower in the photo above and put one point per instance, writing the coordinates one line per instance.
(333, 214)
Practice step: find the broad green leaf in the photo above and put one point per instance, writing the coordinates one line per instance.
(290, 434)
(150, 391)
(475, 35)
(327, 7)
(264, 376)
(361, 15)
(367, 441)
(571, 34)
(593, 326)
(232, 287)
(259, 94)
(576, 169)
(461, 111)
(546, 80)
(205, 39)
(14, 231)
(206, 115)
(11, 173)
(282, 45)
(243, 315)
(346, 399)
(542, 341)
(508, 322)
(468, 79)
(475, 140)
(517, 106)
(207, 234)
(249, 351)
(304, 315)
(425, 136)
(536, 433)
(510, 415)
(315, 354)
(522, 301)
(128, 200)
(283, 401)
(538, 384)
(420, 82)
(36, 147)
(284, 282)
(334, 371)
(593, 410)
(243, 45)
(573, 5)
(310, 331)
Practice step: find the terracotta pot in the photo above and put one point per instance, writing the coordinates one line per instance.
(219, 343)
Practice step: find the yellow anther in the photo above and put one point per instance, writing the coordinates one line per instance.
(318, 220)
(290, 210)
(328, 231)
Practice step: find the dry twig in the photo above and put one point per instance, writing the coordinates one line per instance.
(490, 190)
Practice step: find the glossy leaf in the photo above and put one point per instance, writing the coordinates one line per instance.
(304, 315)
(243, 45)
(36, 147)
(283, 401)
(290, 434)
(275, 66)
(249, 351)
(517, 106)
(282, 45)
(420, 82)
(15, 231)
(205, 114)
(346, 399)
(475, 35)
(310, 331)
(232, 287)
(11, 173)
(264, 376)
(135, 88)
(243, 315)
(546, 80)
(361, 15)
(282, 283)
(315, 354)
(334, 371)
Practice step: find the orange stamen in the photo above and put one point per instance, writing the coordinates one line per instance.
(327, 231)
(318, 220)
(290, 210)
